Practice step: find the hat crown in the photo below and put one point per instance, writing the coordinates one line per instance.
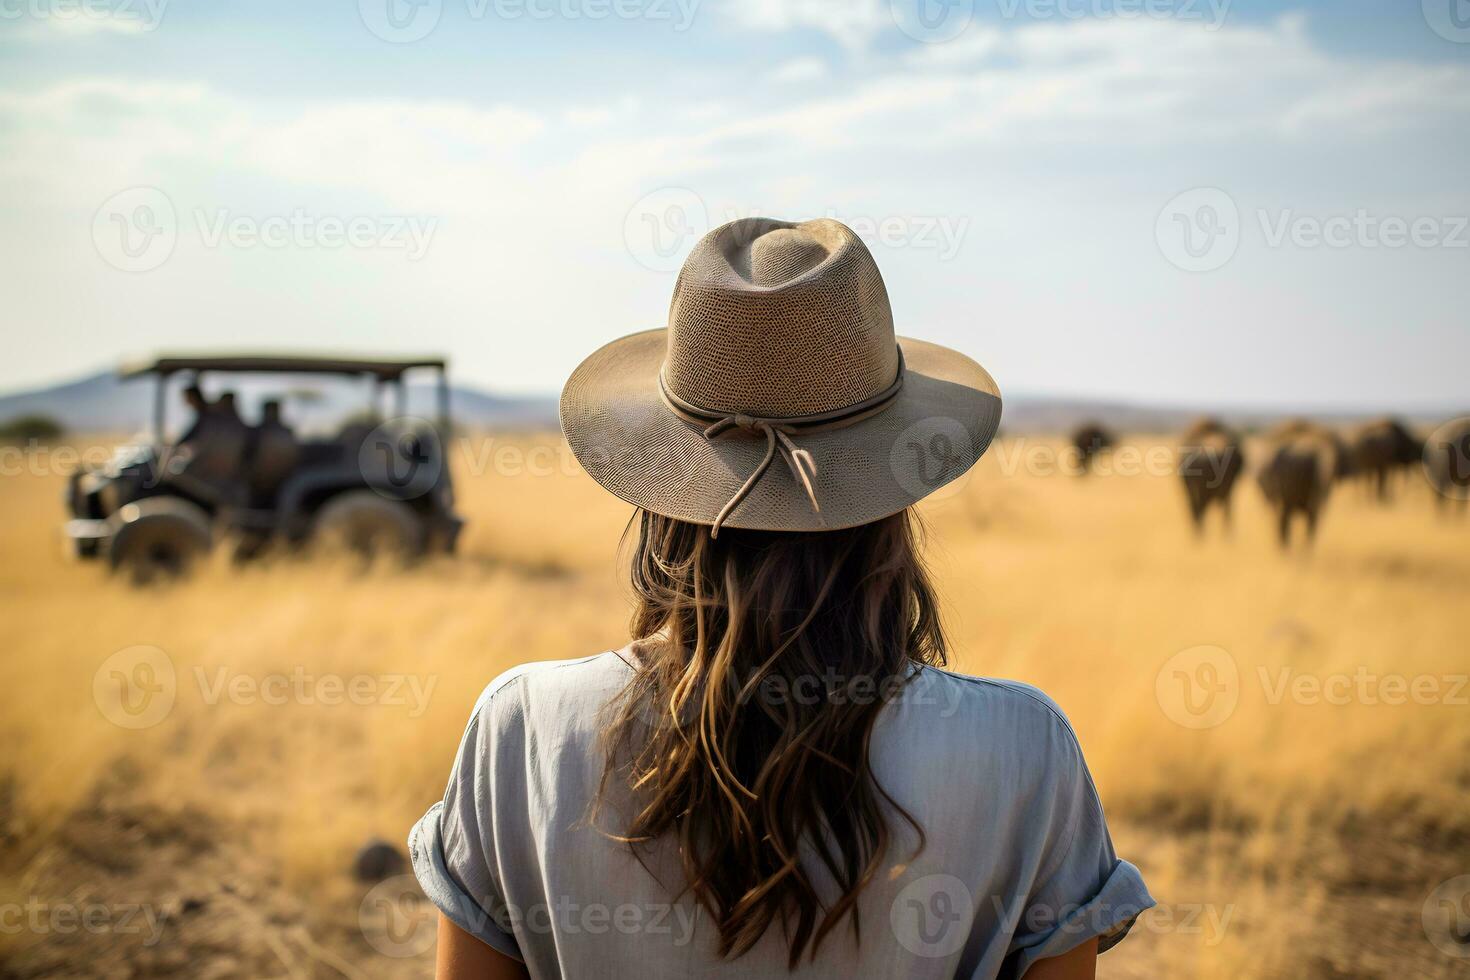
(777, 319)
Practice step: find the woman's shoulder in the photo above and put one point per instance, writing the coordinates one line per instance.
(988, 714)
(986, 692)
(561, 687)
(556, 672)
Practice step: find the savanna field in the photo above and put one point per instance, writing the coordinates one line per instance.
(1281, 741)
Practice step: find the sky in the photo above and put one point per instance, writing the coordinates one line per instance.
(1190, 202)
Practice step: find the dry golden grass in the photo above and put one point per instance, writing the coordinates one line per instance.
(1292, 839)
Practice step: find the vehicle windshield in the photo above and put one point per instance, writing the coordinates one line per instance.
(313, 406)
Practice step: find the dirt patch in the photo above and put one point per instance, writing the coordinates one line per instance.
(122, 889)
(1352, 903)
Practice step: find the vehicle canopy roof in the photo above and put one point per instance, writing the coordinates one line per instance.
(384, 369)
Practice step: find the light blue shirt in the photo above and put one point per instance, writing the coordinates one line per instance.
(1018, 864)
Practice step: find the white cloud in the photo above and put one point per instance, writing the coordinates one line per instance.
(95, 136)
(600, 116)
(970, 48)
(424, 154)
(88, 134)
(851, 23)
(796, 70)
(1110, 82)
(1096, 83)
(957, 128)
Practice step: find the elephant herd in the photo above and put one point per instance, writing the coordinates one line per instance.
(1302, 461)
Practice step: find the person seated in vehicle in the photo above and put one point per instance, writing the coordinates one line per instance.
(273, 454)
(356, 429)
(194, 398)
(226, 409)
(209, 455)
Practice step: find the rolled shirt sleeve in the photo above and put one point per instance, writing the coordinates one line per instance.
(1083, 890)
(452, 846)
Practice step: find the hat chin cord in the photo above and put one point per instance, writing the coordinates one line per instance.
(778, 433)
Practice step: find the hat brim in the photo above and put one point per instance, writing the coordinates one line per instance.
(630, 442)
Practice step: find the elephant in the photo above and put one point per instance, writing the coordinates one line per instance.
(1381, 448)
(1303, 460)
(1210, 461)
(1090, 439)
(1447, 463)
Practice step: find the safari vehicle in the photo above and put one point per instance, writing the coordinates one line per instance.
(367, 486)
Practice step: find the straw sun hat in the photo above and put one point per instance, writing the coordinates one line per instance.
(780, 343)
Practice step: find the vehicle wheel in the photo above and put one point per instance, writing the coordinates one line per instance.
(158, 537)
(367, 526)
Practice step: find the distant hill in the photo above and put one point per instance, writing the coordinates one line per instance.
(94, 403)
(101, 402)
(1038, 414)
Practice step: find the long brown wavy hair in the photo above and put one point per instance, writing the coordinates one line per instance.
(744, 734)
